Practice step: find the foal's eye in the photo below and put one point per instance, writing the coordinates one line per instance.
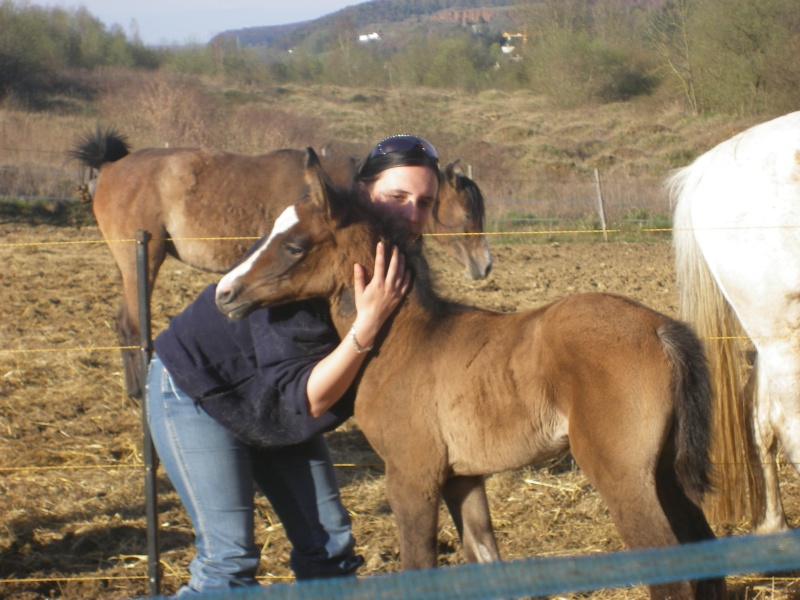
(294, 249)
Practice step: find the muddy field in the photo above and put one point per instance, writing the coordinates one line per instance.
(72, 522)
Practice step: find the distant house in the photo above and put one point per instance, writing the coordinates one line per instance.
(511, 38)
(369, 37)
(510, 41)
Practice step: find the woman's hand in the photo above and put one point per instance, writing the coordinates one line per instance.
(377, 300)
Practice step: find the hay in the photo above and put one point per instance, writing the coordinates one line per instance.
(73, 523)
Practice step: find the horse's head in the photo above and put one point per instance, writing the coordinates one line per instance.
(303, 257)
(459, 209)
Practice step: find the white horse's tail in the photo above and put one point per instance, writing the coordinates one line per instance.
(703, 305)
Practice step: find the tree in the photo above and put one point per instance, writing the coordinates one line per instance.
(735, 56)
(580, 51)
(345, 38)
(747, 60)
(669, 34)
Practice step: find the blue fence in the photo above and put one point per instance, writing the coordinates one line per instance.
(548, 576)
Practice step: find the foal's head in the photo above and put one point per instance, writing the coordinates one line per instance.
(311, 250)
(460, 209)
(460, 206)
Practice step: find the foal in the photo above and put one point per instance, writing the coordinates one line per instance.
(453, 393)
(203, 207)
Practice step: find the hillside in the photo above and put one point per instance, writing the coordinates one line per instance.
(518, 145)
(387, 16)
(75, 526)
(588, 53)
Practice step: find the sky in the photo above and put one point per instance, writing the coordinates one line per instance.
(181, 21)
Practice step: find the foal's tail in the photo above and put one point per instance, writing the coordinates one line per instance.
(96, 148)
(703, 305)
(691, 392)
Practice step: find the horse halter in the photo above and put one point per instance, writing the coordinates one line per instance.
(403, 143)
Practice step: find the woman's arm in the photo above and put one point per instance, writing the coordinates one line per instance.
(375, 302)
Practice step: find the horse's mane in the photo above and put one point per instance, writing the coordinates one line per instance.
(424, 284)
(475, 202)
(395, 232)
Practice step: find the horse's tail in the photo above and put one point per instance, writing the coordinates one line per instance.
(691, 392)
(96, 148)
(703, 305)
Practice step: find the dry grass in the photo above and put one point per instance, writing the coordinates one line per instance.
(517, 145)
(71, 481)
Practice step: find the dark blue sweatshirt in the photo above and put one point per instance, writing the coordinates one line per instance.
(251, 374)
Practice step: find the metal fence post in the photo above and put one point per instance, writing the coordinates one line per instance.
(148, 451)
(601, 204)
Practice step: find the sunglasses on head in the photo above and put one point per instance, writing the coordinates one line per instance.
(403, 143)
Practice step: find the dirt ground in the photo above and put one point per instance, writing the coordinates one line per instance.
(72, 522)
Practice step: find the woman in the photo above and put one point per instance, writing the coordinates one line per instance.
(231, 403)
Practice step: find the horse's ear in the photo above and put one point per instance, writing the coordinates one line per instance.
(320, 189)
(312, 160)
(451, 173)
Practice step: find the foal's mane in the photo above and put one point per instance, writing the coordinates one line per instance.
(475, 203)
(394, 233)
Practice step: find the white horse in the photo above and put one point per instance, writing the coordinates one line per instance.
(737, 247)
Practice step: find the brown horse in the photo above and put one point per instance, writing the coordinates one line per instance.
(452, 393)
(192, 201)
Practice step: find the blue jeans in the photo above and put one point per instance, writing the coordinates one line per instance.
(214, 474)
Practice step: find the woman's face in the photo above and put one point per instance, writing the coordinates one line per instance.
(405, 193)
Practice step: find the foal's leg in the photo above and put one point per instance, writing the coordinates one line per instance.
(686, 519)
(414, 497)
(128, 330)
(466, 500)
(124, 254)
(622, 466)
(635, 508)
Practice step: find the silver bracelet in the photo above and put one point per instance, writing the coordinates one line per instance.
(359, 349)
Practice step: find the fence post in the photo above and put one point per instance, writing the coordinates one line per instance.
(148, 451)
(601, 203)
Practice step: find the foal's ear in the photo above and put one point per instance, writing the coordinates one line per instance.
(321, 191)
(451, 173)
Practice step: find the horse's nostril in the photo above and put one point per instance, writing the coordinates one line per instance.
(224, 295)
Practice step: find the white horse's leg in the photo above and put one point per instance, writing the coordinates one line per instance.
(777, 418)
(742, 201)
(768, 514)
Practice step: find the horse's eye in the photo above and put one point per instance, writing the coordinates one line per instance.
(294, 249)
